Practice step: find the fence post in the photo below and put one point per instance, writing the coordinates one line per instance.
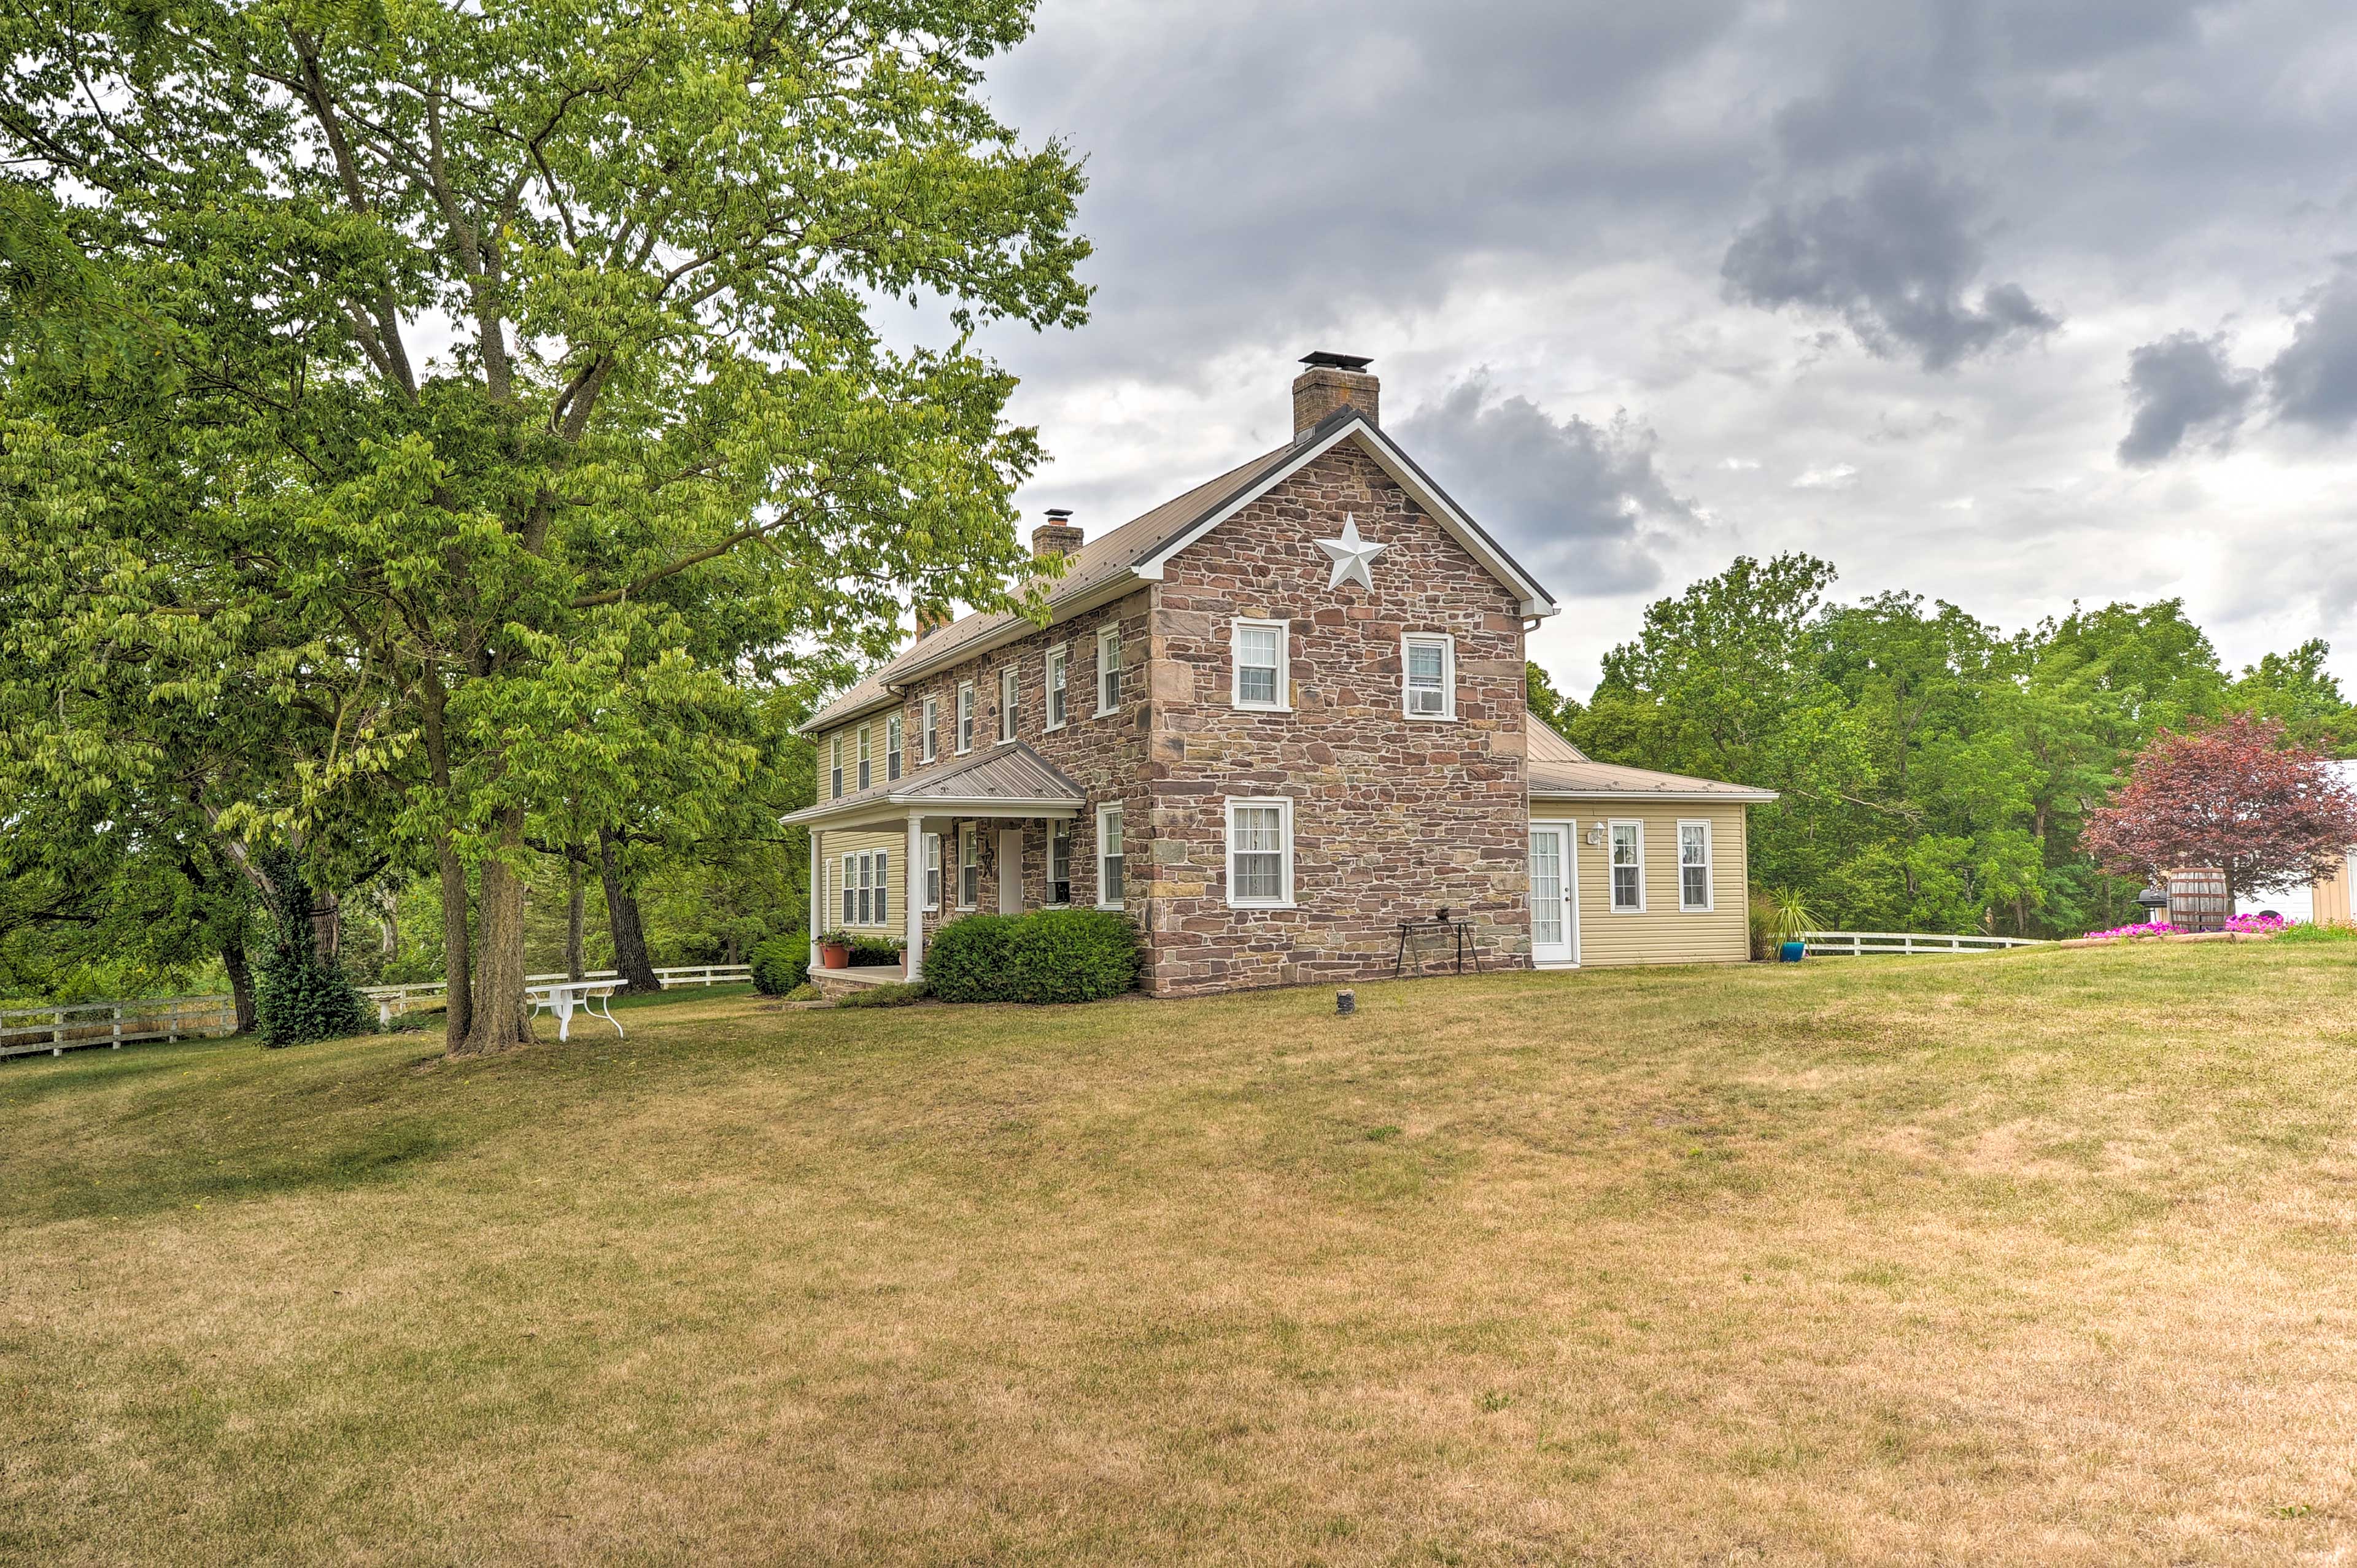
(118, 1028)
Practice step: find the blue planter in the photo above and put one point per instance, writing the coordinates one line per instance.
(1791, 952)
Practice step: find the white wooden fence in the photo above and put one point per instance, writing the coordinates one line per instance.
(1860, 944)
(27, 1031)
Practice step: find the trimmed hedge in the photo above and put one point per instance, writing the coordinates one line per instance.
(892, 993)
(869, 951)
(780, 963)
(1049, 955)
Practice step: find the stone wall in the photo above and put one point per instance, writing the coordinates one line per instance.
(1393, 817)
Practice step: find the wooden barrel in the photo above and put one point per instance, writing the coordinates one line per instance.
(2198, 900)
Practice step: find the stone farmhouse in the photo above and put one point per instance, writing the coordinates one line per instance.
(1269, 720)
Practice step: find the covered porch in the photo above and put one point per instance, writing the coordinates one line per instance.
(1005, 787)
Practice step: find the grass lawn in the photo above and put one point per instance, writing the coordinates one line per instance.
(2044, 1258)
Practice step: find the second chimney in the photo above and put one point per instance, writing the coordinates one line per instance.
(1057, 536)
(1330, 382)
(931, 618)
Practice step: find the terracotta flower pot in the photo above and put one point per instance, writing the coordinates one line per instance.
(834, 955)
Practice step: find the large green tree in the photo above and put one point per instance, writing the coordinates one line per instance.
(496, 350)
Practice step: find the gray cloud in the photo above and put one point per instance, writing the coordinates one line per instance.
(1893, 262)
(2314, 380)
(1578, 503)
(2181, 386)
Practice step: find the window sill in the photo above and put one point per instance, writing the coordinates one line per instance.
(1051, 729)
(1261, 708)
(1430, 718)
(1288, 904)
(1113, 906)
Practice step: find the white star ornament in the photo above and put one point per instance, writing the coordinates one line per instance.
(1351, 555)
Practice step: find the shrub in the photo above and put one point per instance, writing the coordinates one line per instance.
(871, 951)
(2324, 931)
(1051, 955)
(893, 993)
(299, 995)
(781, 963)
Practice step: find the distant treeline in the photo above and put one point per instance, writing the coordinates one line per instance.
(1935, 771)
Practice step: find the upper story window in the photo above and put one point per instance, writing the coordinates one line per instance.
(1058, 656)
(965, 718)
(1628, 867)
(1429, 660)
(1694, 868)
(835, 767)
(892, 747)
(1258, 649)
(931, 722)
(1006, 694)
(1109, 861)
(1260, 852)
(866, 776)
(1108, 669)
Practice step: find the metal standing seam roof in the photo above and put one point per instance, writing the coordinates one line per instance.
(1610, 780)
(1010, 773)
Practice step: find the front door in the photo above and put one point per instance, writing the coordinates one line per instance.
(1010, 871)
(1555, 897)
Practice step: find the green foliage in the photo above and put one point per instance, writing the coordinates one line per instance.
(781, 964)
(1549, 706)
(893, 993)
(1049, 955)
(2308, 931)
(867, 952)
(300, 994)
(1788, 916)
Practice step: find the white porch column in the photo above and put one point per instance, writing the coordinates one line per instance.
(914, 859)
(817, 899)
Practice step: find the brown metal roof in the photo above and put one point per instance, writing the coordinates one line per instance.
(1545, 745)
(1009, 775)
(1556, 780)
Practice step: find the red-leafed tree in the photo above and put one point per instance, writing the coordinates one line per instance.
(2235, 795)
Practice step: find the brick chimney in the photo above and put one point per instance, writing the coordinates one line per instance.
(1057, 536)
(931, 618)
(1332, 381)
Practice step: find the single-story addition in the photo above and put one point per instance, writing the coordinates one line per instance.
(1269, 720)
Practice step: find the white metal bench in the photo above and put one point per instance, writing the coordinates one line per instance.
(564, 998)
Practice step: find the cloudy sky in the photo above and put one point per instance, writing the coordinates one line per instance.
(2009, 302)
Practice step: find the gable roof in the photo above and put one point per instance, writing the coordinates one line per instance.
(1008, 774)
(1106, 567)
(1546, 745)
(1561, 771)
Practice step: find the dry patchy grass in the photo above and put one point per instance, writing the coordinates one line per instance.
(2042, 1258)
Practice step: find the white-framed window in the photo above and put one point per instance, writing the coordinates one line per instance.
(1008, 690)
(866, 776)
(965, 718)
(969, 866)
(1260, 854)
(932, 722)
(1257, 649)
(879, 877)
(933, 871)
(1627, 842)
(1058, 657)
(1060, 863)
(1109, 858)
(892, 748)
(1694, 868)
(1428, 666)
(1108, 670)
(835, 767)
(866, 901)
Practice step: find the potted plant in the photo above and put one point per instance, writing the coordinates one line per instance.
(834, 949)
(1790, 920)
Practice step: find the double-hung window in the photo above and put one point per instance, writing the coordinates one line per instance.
(1628, 867)
(969, 866)
(1006, 695)
(1058, 657)
(879, 877)
(835, 767)
(932, 721)
(1429, 662)
(1694, 868)
(933, 871)
(867, 887)
(1109, 863)
(892, 748)
(1259, 653)
(1060, 863)
(1108, 670)
(1260, 854)
(865, 777)
(965, 718)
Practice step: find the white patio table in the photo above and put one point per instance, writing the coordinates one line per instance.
(565, 996)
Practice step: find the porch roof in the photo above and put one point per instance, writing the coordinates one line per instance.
(1007, 780)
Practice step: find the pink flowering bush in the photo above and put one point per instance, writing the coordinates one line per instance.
(2254, 925)
(2154, 928)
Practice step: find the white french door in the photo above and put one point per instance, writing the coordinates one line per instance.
(1010, 871)
(1555, 895)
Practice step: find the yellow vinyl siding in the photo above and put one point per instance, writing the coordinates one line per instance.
(833, 846)
(2332, 895)
(1661, 933)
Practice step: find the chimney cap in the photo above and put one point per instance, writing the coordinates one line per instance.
(1323, 359)
(1059, 513)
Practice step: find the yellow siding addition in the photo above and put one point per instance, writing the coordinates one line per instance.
(1662, 932)
(833, 847)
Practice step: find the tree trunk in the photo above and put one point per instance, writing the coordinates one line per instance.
(388, 914)
(241, 982)
(458, 990)
(575, 907)
(622, 919)
(501, 1019)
